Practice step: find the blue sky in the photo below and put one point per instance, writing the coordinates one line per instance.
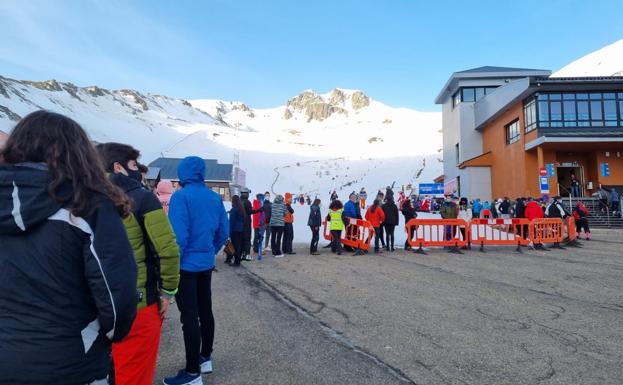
(264, 52)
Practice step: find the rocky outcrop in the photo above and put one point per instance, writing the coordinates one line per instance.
(304, 100)
(387, 121)
(375, 139)
(337, 96)
(287, 114)
(137, 97)
(95, 91)
(359, 100)
(48, 85)
(71, 90)
(320, 111)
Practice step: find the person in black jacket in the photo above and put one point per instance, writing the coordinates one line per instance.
(314, 222)
(68, 271)
(391, 221)
(247, 229)
(267, 213)
(408, 211)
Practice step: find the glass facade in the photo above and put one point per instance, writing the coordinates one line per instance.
(470, 94)
(574, 109)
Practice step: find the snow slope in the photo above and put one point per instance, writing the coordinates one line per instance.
(340, 140)
(607, 61)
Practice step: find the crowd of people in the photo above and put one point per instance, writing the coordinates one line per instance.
(80, 230)
(91, 259)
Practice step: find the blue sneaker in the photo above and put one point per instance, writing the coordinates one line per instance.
(205, 364)
(183, 378)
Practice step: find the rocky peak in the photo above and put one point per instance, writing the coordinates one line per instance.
(47, 85)
(301, 101)
(137, 97)
(337, 97)
(359, 100)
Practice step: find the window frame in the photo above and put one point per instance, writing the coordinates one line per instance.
(507, 132)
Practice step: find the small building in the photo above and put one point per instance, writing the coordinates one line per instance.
(518, 132)
(218, 177)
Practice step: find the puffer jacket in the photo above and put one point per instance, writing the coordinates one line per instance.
(278, 212)
(164, 190)
(153, 241)
(68, 283)
(198, 218)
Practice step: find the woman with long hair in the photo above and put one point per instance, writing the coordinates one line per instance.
(376, 216)
(314, 222)
(68, 272)
(236, 228)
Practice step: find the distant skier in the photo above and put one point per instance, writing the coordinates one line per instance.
(363, 195)
(333, 196)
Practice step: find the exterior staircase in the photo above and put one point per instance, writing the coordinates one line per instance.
(597, 218)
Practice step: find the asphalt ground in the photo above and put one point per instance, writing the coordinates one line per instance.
(499, 317)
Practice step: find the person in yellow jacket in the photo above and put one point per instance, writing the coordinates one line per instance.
(336, 225)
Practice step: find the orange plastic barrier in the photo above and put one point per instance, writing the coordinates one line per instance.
(358, 234)
(571, 231)
(500, 232)
(437, 233)
(326, 232)
(547, 230)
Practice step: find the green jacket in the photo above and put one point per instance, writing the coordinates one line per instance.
(153, 241)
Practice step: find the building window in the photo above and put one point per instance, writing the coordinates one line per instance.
(470, 94)
(458, 157)
(570, 109)
(529, 114)
(512, 132)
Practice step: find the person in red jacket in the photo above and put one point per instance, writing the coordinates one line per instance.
(257, 226)
(376, 216)
(580, 214)
(534, 211)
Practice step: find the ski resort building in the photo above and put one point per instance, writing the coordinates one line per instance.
(221, 178)
(518, 132)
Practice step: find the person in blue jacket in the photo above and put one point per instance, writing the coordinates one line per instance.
(476, 208)
(201, 227)
(352, 209)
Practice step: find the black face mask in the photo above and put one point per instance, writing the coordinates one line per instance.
(135, 174)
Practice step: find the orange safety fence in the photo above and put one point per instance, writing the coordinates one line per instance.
(358, 234)
(499, 232)
(571, 231)
(547, 230)
(437, 233)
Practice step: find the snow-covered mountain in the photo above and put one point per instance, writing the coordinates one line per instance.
(313, 143)
(607, 61)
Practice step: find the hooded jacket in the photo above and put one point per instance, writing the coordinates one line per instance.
(533, 210)
(153, 241)
(278, 212)
(352, 210)
(68, 283)
(164, 191)
(198, 218)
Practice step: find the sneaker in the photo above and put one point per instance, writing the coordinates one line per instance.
(279, 256)
(249, 258)
(183, 378)
(205, 364)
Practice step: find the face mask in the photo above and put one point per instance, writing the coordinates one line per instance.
(135, 174)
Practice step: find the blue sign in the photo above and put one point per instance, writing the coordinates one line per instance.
(605, 169)
(550, 169)
(431, 188)
(544, 184)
